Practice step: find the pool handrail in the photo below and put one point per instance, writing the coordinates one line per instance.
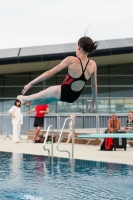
(72, 137)
(46, 136)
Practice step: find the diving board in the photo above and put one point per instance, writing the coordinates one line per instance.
(108, 135)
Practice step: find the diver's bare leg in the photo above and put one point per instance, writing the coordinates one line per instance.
(43, 97)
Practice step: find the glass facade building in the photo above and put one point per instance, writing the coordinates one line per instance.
(114, 60)
(115, 90)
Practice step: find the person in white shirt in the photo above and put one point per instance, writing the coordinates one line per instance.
(15, 113)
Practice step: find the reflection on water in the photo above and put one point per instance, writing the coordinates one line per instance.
(37, 177)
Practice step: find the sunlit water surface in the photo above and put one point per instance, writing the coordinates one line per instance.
(31, 177)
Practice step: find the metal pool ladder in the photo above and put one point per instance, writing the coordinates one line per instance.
(72, 138)
(49, 128)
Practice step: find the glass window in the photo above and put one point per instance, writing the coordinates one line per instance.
(103, 91)
(7, 104)
(1, 105)
(114, 90)
(1, 91)
(102, 80)
(18, 79)
(36, 89)
(121, 91)
(75, 107)
(121, 80)
(121, 105)
(12, 91)
(102, 106)
(52, 107)
(121, 69)
(102, 70)
(87, 92)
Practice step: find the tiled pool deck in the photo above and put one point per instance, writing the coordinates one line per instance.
(81, 151)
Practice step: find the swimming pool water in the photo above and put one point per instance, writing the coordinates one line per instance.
(32, 177)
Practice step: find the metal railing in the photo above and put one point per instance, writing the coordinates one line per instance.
(85, 123)
(46, 136)
(28, 123)
(59, 140)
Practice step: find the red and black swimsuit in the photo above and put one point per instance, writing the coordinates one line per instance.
(67, 94)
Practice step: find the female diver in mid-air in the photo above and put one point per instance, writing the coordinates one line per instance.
(80, 69)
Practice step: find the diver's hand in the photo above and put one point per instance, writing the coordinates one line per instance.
(26, 88)
(91, 105)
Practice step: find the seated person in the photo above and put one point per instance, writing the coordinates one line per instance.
(129, 125)
(113, 124)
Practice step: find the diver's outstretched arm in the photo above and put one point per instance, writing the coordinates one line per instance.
(48, 74)
(93, 89)
(94, 85)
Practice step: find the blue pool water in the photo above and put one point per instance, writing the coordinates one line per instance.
(31, 177)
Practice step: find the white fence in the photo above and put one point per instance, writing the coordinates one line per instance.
(85, 123)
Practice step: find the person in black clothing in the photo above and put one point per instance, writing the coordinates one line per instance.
(129, 125)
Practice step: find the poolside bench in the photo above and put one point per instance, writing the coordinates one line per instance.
(96, 141)
(31, 133)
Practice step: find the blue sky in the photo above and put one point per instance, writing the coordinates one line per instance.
(40, 22)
